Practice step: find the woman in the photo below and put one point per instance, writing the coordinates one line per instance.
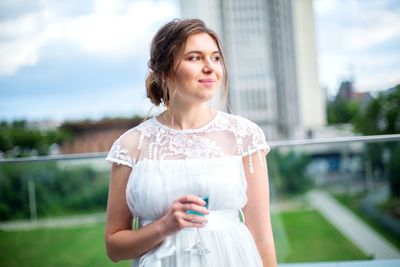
(162, 166)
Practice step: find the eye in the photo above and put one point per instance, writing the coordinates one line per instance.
(216, 58)
(194, 58)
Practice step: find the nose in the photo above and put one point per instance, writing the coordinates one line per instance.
(208, 68)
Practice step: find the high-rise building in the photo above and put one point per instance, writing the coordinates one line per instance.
(312, 98)
(264, 53)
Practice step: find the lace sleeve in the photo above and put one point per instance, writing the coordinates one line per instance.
(253, 142)
(120, 152)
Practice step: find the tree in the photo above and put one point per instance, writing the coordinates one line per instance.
(382, 116)
(58, 190)
(345, 105)
(288, 171)
(342, 111)
(18, 140)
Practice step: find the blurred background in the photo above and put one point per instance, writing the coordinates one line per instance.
(321, 78)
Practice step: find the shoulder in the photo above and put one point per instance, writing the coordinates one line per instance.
(242, 120)
(249, 136)
(241, 125)
(133, 134)
(131, 140)
(126, 148)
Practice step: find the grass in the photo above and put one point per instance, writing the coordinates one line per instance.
(305, 236)
(82, 246)
(354, 204)
(309, 237)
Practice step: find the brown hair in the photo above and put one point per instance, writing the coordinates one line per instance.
(166, 46)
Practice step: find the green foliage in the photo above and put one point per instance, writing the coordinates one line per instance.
(394, 169)
(288, 171)
(58, 190)
(342, 111)
(18, 140)
(382, 116)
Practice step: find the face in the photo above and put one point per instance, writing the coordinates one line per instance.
(199, 71)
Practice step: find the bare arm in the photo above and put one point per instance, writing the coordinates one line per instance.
(124, 243)
(257, 209)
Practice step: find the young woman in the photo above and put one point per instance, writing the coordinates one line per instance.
(170, 168)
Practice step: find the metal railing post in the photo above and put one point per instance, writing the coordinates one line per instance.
(32, 198)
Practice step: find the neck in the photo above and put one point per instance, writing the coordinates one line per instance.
(187, 117)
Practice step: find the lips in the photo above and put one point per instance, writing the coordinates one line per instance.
(207, 82)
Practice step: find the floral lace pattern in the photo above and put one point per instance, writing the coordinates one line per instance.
(193, 148)
(119, 155)
(226, 135)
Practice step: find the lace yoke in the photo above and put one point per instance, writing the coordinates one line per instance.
(224, 136)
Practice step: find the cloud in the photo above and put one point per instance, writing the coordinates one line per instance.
(381, 26)
(377, 71)
(10, 9)
(352, 37)
(110, 29)
(325, 6)
(124, 100)
(344, 28)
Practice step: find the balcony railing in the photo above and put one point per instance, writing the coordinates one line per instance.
(326, 197)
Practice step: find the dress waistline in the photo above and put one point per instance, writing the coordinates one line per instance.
(217, 220)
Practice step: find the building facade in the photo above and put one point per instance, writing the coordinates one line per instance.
(262, 49)
(95, 136)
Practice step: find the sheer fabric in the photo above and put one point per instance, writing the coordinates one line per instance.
(168, 163)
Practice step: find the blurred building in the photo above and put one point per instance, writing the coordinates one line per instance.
(346, 91)
(95, 136)
(271, 55)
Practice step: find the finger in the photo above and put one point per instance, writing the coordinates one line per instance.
(184, 220)
(193, 207)
(177, 206)
(190, 218)
(193, 224)
(184, 224)
(194, 218)
(192, 199)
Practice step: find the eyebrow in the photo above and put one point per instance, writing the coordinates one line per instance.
(200, 52)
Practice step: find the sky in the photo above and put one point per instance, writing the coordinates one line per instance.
(358, 40)
(71, 60)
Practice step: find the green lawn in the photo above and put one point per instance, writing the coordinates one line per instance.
(305, 236)
(302, 236)
(55, 247)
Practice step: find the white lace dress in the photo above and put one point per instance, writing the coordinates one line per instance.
(168, 163)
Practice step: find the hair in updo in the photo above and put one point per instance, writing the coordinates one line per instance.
(166, 48)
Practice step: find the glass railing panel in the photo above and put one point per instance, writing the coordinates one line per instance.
(51, 188)
(52, 212)
(326, 196)
(52, 209)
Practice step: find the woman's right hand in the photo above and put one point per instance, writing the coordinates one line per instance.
(176, 218)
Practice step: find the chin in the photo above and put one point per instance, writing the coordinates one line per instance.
(203, 98)
(209, 96)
